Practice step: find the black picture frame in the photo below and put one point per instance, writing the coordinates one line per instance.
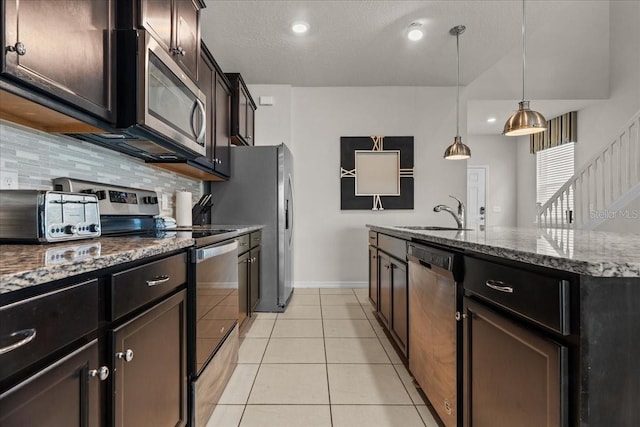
(348, 147)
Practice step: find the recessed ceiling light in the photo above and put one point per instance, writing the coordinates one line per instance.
(415, 32)
(300, 27)
(491, 119)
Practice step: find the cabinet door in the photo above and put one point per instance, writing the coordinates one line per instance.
(373, 275)
(64, 48)
(149, 360)
(400, 319)
(243, 286)
(251, 117)
(222, 135)
(63, 394)
(384, 298)
(156, 16)
(243, 102)
(187, 42)
(254, 282)
(513, 376)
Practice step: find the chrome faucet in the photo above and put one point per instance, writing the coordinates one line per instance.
(459, 217)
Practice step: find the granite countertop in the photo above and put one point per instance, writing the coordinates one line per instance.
(590, 253)
(22, 266)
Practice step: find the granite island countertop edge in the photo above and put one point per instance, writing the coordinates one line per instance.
(584, 262)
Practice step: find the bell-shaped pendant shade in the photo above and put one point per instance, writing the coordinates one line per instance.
(457, 150)
(525, 121)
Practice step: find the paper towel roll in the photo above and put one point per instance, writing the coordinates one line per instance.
(183, 208)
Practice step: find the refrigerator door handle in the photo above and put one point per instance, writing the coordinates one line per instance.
(286, 214)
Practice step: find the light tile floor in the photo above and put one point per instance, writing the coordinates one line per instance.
(325, 362)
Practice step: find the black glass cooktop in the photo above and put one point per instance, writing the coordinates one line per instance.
(203, 237)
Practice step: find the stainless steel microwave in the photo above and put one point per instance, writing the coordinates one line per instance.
(161, 112)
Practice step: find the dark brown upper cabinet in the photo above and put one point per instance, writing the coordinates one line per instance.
(62, 50)
(242, 112)
(217, 88)
(175, 24)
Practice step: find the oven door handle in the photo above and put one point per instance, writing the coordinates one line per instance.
(209, 252)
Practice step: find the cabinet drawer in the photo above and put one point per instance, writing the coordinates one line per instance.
(244, 242)
(542, 299)
(393, 246)
(37, 327)
(137, 286)
(373, 238)
(256, 238)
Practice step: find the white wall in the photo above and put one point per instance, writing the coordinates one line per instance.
(499, 153)
(526, 183)
(598, 123)
(273, 122)
(330, 244)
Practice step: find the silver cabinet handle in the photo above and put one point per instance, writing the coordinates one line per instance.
(18, 48)
(499, 286)
(158, 280)
(28, 334)
(242, 244)
(127, 355)
(102, 373)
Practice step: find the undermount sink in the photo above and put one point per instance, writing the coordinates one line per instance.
(432, 228)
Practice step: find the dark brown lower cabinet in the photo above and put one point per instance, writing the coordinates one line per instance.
(149, 363)
(393, 297)
(384, 297)
(513, 376)
(63, 394)
(400, 318)
(373, 275)
(254, 281)
(243, 287)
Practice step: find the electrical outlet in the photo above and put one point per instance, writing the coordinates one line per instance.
(164, 202)
(8, 180)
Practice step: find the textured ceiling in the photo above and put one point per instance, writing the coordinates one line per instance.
(363, 43)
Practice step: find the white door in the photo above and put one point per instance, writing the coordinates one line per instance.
(476, 196)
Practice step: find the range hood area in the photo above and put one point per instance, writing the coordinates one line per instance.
(160, 113)
(47, 115)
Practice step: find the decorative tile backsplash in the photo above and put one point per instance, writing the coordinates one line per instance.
(38, 157)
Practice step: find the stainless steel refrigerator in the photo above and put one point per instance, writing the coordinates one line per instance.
(260, 191)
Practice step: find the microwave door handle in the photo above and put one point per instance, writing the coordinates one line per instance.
(198, 105)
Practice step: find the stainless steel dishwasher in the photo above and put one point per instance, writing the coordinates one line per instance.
(434, 329)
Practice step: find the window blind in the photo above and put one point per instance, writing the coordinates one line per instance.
(554, 167)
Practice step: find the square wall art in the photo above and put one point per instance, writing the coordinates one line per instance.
(376, 172)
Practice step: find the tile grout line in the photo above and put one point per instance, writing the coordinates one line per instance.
(326, 360)
(258, 371)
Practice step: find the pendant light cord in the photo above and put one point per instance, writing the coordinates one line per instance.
(458, 85)
(524, 48)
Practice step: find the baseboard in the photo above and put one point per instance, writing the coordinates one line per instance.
(331, 285)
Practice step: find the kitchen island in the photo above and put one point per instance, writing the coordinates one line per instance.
(543, 321)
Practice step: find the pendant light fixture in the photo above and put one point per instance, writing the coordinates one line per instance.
(524, 121)
(457, 150)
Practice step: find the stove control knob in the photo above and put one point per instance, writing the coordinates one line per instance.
(94, 228)
(150, 200)
(70, 229)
